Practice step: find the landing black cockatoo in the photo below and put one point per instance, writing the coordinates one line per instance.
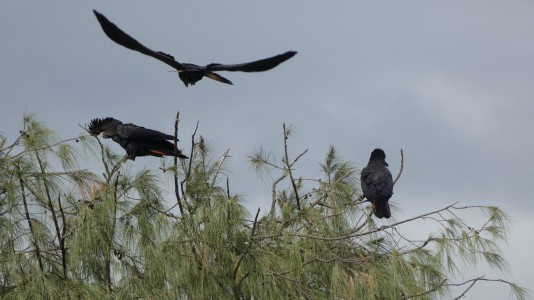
(377, 183)
(189, 73)
(136, 140)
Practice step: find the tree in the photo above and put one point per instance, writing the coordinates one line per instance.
(67, 232)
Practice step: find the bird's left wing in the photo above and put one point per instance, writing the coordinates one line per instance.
(134, 132)
(122, 38)
(383, 181)
(255, 66)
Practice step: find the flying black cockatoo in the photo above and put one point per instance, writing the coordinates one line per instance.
(189, 73)
(377, 183)
(136, 140)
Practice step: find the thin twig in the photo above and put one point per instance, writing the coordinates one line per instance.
(170, 208)
(48, 147)
(273, 204)
(251, 241)
(473, 281)
(53, 212)
(286, 160)
(102, 150)
(353, 234)
(401, 167)
(437, 287)
(117, 166)
(115, 202)
(193, 144)
(189, 168)
(219, 166)
(106, 167)
(228, 187)
(176, 189)
(16, 142)
(182, 189)
(29, 219)
(62, 238)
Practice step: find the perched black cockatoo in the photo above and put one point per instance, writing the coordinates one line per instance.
(136, 140)
(189, 73)
(377, 183)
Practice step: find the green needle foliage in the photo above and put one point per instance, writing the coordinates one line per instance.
(70, 233)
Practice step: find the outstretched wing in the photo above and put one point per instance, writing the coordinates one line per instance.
(255, 66)
(122, 38)
(134, 132)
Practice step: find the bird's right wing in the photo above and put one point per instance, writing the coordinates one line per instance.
(365, 179)
(122, 38)
(134, 132)
(388, 186)
(255, 66)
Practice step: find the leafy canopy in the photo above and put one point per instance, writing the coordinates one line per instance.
(114, 232)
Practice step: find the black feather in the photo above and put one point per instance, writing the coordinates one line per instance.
(377, 183)
(136, 140)
(189, 73)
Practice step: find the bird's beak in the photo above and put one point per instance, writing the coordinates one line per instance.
(386, 164)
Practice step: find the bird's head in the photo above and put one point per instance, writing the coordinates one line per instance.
(97, 126)
(378, 155)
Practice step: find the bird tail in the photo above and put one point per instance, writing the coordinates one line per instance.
(217, 77)
(382, 210)
(160, 152)
(166, 149)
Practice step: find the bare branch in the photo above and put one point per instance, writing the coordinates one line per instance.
(62, 238)
(401, 167)
(249, 244)
(29, 219)
(286, 160)
(106, 167)
(49, 146)
(473, 281)
(219, 165)
(227, 187)
(176, 188)
(273, 204)
(16, 142)
(353, 233)
(437, 287)
(191, 156)
(52, 211)
(297, 158)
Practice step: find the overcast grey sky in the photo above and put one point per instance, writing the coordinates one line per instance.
(450, 82)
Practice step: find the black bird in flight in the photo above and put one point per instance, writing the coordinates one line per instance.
(377, 183)
(189, 73)
(136, 140)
